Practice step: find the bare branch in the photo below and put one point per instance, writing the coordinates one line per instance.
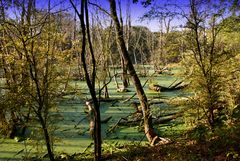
(100, 8)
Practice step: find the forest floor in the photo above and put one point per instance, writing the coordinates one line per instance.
(190, 145)
(219, 148)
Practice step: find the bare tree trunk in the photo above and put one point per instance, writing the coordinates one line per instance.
(106, 94)
(124, 73)
(83, 15)
(114, 71)
(110, 56)
(67, 79)
(135, 47)
(149, 131)
(103, 54)
(123, 64)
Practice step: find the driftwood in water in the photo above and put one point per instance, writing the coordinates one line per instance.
(124, 122)
(115, 125)
(125, 119)
(138, 119)
(164, 70)
(157, 101)
(154, 87)
(123, 90)
(164, 120)
(104, 121)
(159, 88)
(136, 104)
(113, 100)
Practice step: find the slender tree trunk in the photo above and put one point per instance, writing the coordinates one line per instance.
(114, 71)
(91, 85)
(67, 79)
(83, 15)
(123, 63)
(124, 73)
(149, 131)
(106, 94)
(47, 138)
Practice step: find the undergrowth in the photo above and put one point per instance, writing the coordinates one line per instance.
(196, 144)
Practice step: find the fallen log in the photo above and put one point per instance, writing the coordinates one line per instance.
(164, 70)
(123, 119)
(123, 90)
(136, 104)
(104, 121)
(164, 120)
(158, 101)
(159, 88)
(75, 126)
(154, 87)
(104, 100)
(135, 92)
(155, 121)
(130, 122)
(115, 126)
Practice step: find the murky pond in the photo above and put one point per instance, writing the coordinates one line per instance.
(72, 127)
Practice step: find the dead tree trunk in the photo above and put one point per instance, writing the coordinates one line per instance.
(123, 64)
(124, 73)
(149, 131)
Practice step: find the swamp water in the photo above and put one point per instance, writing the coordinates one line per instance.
(72, 135)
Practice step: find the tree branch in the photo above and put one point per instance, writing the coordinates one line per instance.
(100, 8)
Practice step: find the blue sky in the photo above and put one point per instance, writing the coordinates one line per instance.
(137, 10)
